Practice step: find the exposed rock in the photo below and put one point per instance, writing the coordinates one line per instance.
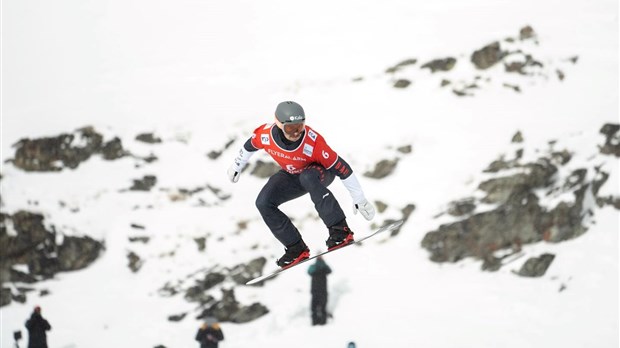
(462, 207)
(536, 266)
(197, 293)
(400, 65)
(135, 262)
(381, 207)
(612, 139)
(65, 150)
(382, 169)
(445, 64)
(177, 317)
(113, 149)
(201, 242)
(609, 200)
(404, 149)
(527, 32)
(402, 83)
(215, 154)
(5, 296)
(148, 138)
(145, 184)
(521, 67)
(229, 310)
(243, 273)
(264, 169)
(483, 233)
(537, 175)
(488, 56)
(518, 217)
(560, 74)
(139, 239)
(561, 157)
(31, 244)
(515, 88)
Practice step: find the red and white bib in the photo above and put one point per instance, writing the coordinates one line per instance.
(312, 149)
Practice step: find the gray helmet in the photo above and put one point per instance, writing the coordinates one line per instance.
(290, 112)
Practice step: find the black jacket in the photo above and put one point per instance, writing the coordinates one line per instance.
(37, 326)
(209, 336)
(319, 272)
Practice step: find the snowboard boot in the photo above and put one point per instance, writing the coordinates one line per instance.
(294, 254)
(339, 236)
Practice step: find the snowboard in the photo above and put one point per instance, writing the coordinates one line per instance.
(389, 227)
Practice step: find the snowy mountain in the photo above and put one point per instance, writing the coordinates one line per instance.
(490, 127)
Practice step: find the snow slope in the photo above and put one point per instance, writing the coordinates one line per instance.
(200, 73)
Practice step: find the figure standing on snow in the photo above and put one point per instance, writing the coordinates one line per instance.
(210, 334)
(318, 289)
(37, 327)
(309, 165)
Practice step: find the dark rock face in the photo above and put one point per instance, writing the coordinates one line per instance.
(519, 217)
(145, 184)
(612, 139)
(536, 266)
(264, 169)
(402, 83)
(401, 65)
(444, 64)
(31, 244)
(488, 56)
(382, 169)
(228, 309)
(65, 150)
(148, 138)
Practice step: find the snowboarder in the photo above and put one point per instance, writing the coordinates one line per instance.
(318, 289)
(309, 165)
(37, 327)
(209, 334)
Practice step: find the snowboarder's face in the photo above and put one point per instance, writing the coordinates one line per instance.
(292, 131)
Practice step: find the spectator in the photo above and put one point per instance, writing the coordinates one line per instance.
(210, 334)
(318, 288)
(37, 326)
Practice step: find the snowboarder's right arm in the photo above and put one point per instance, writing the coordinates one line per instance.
(241, 160)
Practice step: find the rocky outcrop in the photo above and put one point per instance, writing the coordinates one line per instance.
(536, 266)
(517, 215)
(513, 53)
(264, 170)
(612, 139)
(228, 309)
(382, 169)
(488, 56)
(441, 64)
(24, 240)
(203, 291)
(65, 150)
(148, 138)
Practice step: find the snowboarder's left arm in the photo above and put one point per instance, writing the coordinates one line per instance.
(343, 170)
(337, 165)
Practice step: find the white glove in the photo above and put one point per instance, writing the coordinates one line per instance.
(234, 172)
(240, 161)
(365, 208)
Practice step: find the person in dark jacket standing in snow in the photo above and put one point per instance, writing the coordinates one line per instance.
(37, 327)
(210, 334)
(318, 288)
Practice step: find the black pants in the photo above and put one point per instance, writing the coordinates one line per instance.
(283, 187)
(318, 304)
